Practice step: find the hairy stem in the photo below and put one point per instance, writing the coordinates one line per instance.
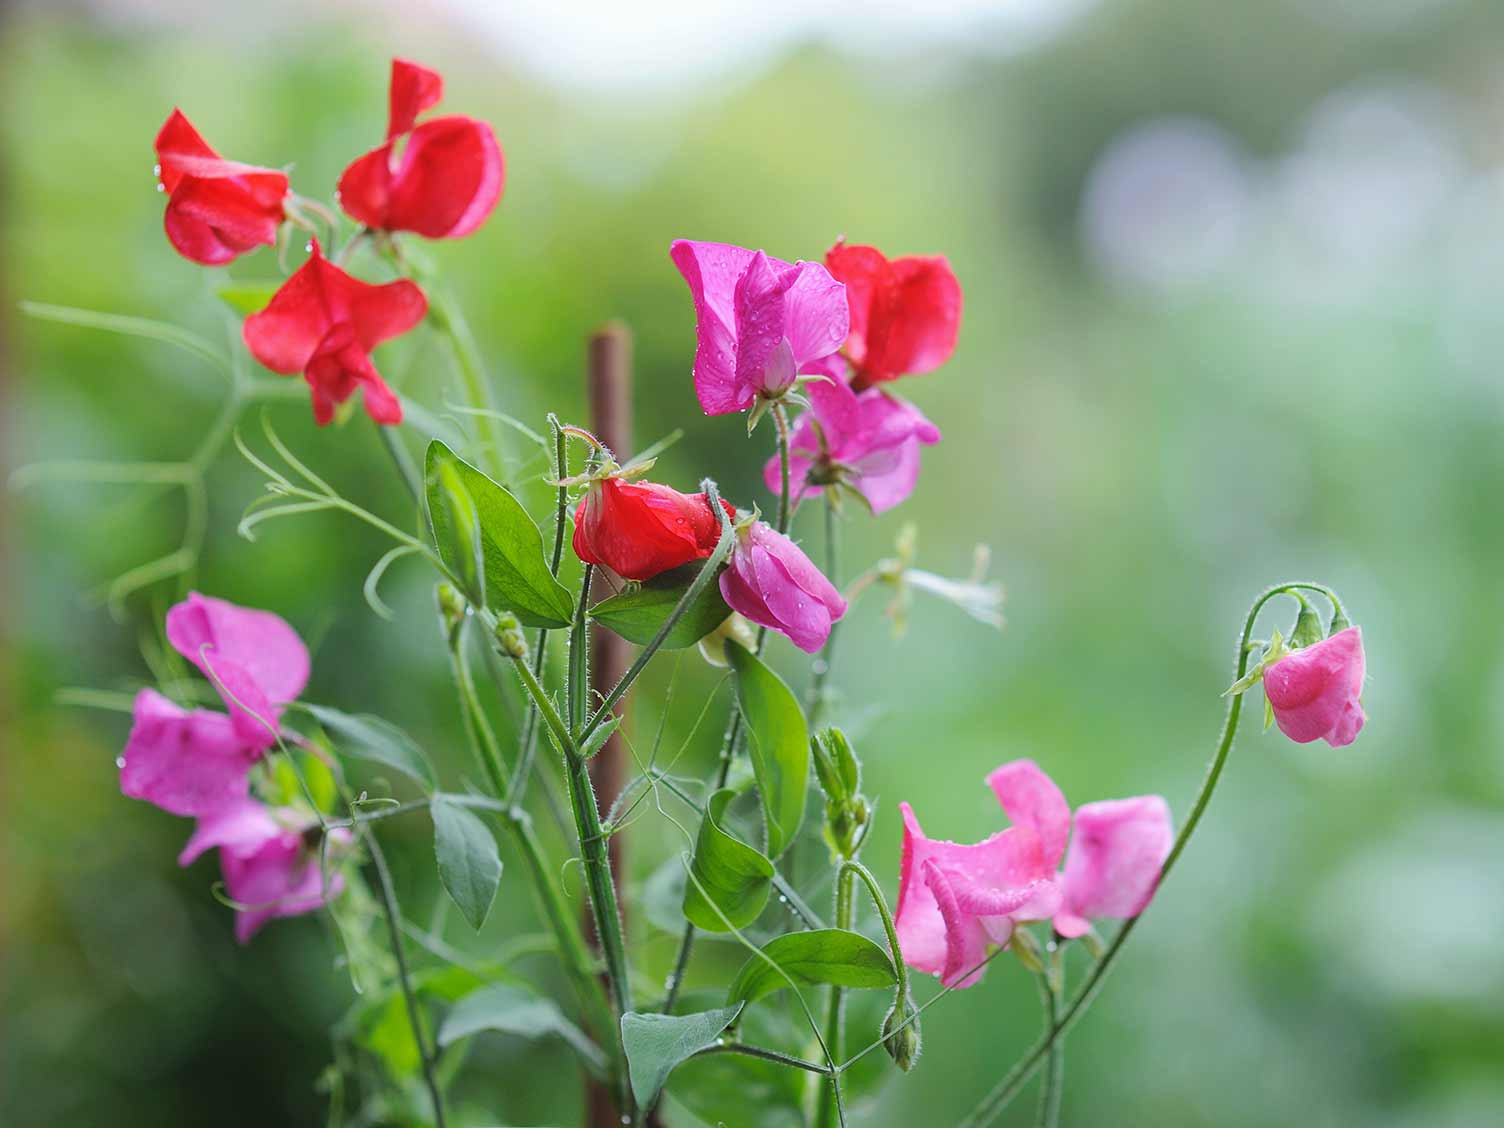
(820, 672)
(1050, 990)
(1015, 1079)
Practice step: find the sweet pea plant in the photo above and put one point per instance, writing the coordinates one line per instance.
(815, 346)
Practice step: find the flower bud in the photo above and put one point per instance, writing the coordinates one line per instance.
(1307, 630)
(1026, 948)
(451, 607)
(901, 1036)
(509, 637)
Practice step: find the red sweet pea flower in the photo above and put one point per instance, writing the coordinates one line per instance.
(447, 177)
(639, 529)
(905, 313)
(216, 209)
(324, 324)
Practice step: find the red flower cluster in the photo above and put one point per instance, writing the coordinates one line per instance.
(440, 179)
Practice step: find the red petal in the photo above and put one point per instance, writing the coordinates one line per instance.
(213, 221)
(177, 139)
(413, 90)
(905, 314)
(365, 187)
(447, 180)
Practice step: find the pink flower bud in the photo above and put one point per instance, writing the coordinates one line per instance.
(772, 582)
(1316, 691)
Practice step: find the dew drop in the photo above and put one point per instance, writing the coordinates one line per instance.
(308, 248)
(120, 762)
(160, 188)
(156, 170)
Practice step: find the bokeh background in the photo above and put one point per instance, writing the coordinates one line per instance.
(1234, 276)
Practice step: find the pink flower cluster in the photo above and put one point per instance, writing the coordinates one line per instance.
(198, 763)
(955, 900)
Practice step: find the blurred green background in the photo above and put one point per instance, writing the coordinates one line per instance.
(1233, 292)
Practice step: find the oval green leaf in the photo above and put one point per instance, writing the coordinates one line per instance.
(729, 881)
(778, 741)
(820, 955)
(636, 615)
(469, 864)
(515, 575)
(371, 738)
(513, 1010)
(655, 1043)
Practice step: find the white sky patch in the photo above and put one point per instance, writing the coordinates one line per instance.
(665, 43)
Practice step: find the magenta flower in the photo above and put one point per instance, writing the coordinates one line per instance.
(269, 866)
(868, 441)
(1316, 691)
(770, 581)
(191, 762)
(759, 322)
(256, 661)
(954, 900)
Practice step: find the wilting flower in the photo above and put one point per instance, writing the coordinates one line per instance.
(639, 529)
(216, 209)
(440, 179)
(905, 312)
(270, 867)
(760, 322)
(324, 324)
(1315, 692)
(868, 442)
(955, 899)
(192, 762)
(770, 581)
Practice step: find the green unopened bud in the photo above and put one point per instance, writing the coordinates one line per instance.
(1307, 630)
(901, 1036)
(1340, 621)
(509, 637)
(451, 606)
(1026, 948)
(1093, 944)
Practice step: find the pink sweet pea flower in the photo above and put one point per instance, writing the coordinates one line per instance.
(771, 582)
(255, 659)
(193, 762)
(269, 866)
(325, 324)
(760, 322)
(186, 762)
(1316, 691)
(440, 179)
(869, 441)
(216, 209)
(953, 899)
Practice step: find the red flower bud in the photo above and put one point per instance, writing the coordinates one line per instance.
(639, 529)
(216, 209)
(446, 178)
(324, 324)
(905, 313)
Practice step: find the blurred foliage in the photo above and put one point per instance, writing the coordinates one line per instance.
(1143, 459)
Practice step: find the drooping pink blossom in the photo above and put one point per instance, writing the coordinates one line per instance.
(868, 440)
(255, 659)
(760, 322)
(193, 762)
(270, 867)
(954, 899)
(770, 581)
(1316, 691)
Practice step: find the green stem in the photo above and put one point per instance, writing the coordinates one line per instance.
(448, 320)
(477, 726)
(578, 688)
(528, 742)
(597, 861)
(835, 1026)
(821, 671)
(766, 1055)
(780, 417)
(403, 461)
(1015, 1079)
(1050, 990)
(414, 1016)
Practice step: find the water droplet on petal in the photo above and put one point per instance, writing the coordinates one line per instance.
(160, 188)
(120, 762)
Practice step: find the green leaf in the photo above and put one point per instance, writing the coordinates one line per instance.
(636, 615)
(726, 873)
(821, 955)
(516, 576)
(513, 1010)
(779, 744)
(249, 297)
(469, 864)
(371, 738)
(655, 1043)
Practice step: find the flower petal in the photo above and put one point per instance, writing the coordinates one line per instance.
(1117, 852)
(185, 762)
(1030, 798)
(413, 89)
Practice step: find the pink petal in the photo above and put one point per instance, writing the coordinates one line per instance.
(260, 643)
(1116, 855)
(817, 319)
(1030, 798)
(1315, 692)
(242, 828)
(187, 763)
